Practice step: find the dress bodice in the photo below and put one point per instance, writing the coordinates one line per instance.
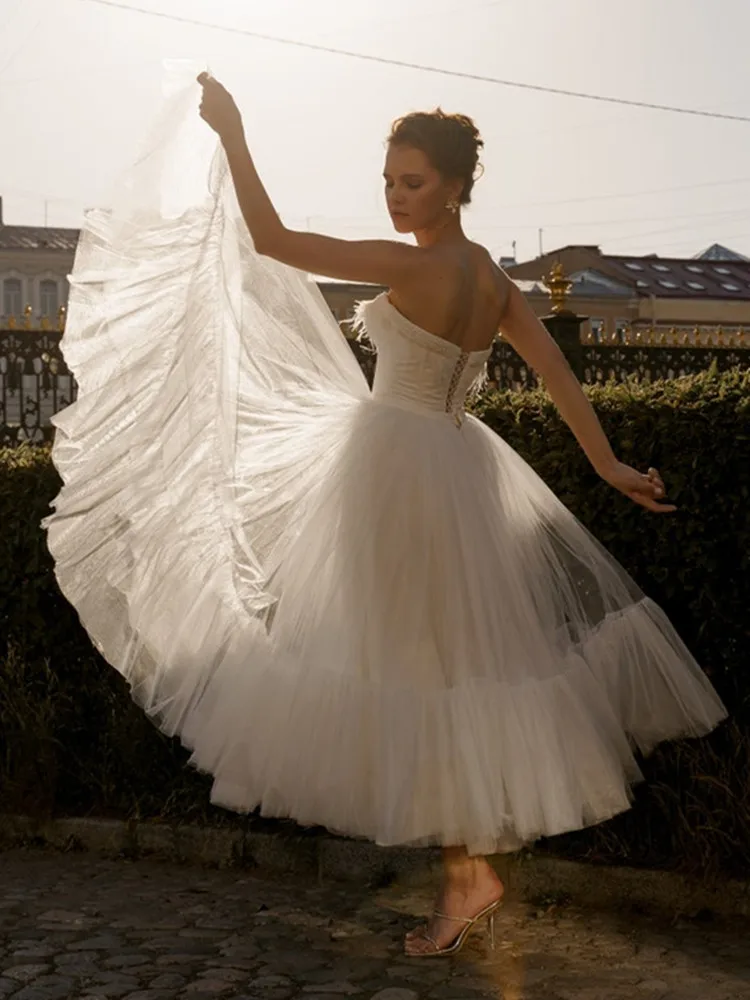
(416, 368)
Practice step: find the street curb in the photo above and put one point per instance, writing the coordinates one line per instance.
(539, 879)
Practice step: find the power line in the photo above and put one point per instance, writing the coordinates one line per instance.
(691, 228)
(627, 194)
(383, 60)
(526, 205)
(584, 199)
(690, 241)
(503, 209)
(355, 221)
(715, 214)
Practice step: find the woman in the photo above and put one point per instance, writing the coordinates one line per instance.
(362, 610)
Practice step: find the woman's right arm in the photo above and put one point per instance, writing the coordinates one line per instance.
(380, 262)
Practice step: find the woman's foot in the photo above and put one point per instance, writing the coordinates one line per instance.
(469, 886)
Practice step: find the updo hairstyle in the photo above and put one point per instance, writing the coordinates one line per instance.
(450, 142)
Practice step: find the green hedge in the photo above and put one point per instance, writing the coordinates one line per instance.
(694, 810)
(72, 743)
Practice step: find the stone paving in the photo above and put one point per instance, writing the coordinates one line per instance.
(76, 926)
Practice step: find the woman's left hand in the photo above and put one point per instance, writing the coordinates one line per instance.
(218, 108)
(648, 490)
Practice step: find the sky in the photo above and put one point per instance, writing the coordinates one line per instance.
(79, 83)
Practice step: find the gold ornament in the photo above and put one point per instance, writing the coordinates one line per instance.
(559, 288)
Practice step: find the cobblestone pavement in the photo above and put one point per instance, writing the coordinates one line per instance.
(75, 926)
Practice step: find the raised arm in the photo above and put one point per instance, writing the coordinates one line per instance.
(532, 341)
(384, 262)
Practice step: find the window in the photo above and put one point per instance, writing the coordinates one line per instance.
(48, 298)
(12, 301)
(597, 330)
(642, 284)
(667, 284)
(730, 287)
(723, 270)
(697, 286)
(633, 265)
(695, 268)
(661, 267)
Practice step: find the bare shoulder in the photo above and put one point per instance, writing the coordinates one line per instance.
(493, 286)
(506, 286)
(498, 275)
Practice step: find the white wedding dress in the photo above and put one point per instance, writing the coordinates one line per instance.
(357, 609)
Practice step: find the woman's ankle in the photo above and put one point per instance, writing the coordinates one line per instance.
(467, 873)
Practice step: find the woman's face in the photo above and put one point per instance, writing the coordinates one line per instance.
(415, 192)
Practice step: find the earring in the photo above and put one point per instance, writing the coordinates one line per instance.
(452, 205)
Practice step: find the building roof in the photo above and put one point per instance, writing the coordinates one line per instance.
(675, 277)
(590, 283)
(704, 277)
(717, 252)
(38, 238)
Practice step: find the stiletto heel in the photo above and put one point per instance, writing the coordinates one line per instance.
(487, 913)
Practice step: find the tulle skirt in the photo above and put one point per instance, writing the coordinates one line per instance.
(351, 613)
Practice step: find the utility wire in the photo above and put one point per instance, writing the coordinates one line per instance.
(616, 197)
(383, 60)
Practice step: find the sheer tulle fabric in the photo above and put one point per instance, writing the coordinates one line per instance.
(353, 611)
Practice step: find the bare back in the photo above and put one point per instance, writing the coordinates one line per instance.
(461, 295)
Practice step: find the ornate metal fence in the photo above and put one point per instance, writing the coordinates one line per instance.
(598, 363)
(35, 382)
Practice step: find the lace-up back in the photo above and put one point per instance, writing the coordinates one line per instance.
(417, 368)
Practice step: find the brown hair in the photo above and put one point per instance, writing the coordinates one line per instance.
(450, 142)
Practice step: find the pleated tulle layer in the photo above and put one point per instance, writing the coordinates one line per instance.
(352, 612)
(486, 763)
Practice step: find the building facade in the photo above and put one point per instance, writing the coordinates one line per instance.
(35, 262)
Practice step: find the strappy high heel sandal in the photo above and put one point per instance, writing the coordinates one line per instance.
(488, 914)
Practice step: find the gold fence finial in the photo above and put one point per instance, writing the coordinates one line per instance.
(559, 287)
(61, 318)
(27, 313)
